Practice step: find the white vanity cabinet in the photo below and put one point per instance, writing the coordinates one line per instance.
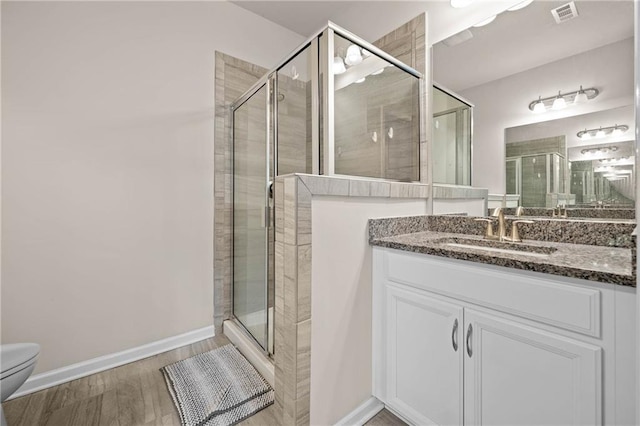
(423, 333)
(461, 343)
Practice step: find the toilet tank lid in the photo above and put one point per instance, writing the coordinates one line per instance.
(14, 354)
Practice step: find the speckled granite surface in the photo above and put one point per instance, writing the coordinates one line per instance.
(595, 251)
(591, 232)
(609, 213)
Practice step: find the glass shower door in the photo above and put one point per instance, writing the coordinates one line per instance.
(250, 215)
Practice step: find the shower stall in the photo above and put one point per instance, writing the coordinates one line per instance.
(337, 105)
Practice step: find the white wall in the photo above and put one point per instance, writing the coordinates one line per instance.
(107, 168)
(341, 301)
(504, 103)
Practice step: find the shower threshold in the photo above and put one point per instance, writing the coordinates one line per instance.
(248, 347)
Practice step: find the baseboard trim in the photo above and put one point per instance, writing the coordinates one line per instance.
(363, 413)
(85, 368)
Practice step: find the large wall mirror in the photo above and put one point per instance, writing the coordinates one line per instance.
(576, 151)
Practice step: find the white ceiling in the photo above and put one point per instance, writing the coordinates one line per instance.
(373, 19)
(514, 42)
(527, 38)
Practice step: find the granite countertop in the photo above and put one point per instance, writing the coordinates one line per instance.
(602, 263)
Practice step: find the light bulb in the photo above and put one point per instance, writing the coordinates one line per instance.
(617, 131)
(338, 65)
(539, 107)
(559, 102)
(353, 56)
(600, 133)
(581, 97)
(586, 135)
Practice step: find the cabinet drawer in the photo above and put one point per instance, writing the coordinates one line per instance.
(544, 300)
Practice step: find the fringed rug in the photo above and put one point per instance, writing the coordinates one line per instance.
(216, 388)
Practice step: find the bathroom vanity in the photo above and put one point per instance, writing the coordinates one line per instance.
(466, 335)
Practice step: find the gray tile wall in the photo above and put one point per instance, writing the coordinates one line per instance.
(232, 78)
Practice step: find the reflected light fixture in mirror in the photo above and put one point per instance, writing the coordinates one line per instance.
(601, 132)
(561, 100)
(460, 3)
(581, 97)
(603, 149)
(353, 56)
(338, 65)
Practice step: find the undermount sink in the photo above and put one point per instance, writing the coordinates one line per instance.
(498, 247)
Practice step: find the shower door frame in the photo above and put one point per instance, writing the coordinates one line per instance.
(322, 127)
(269, 82)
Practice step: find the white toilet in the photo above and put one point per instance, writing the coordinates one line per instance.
(17, 361)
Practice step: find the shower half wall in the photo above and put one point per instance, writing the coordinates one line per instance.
(310, 116)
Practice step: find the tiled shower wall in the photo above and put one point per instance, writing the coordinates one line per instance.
(408, 43)
(232, 78)
(379, 103)
(382, 102)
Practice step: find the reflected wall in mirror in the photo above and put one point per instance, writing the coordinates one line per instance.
(548, 164)
(522, 55)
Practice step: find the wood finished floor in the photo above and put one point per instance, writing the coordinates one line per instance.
(131, 395)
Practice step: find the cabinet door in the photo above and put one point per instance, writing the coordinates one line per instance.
(424, 357)
(518, 375)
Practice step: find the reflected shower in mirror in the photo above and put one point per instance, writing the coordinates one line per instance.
(567, 162)
(451, 149)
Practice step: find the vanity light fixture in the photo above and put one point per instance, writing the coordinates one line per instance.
(602, 132)
(458, 4)
(562, 99)
(559, 102)
(581, 97)
(539, 107)
(614, 160)
(603, 149)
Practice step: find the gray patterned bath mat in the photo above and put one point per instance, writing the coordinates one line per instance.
(216, 388)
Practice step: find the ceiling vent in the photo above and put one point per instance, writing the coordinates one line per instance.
(564, 13)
